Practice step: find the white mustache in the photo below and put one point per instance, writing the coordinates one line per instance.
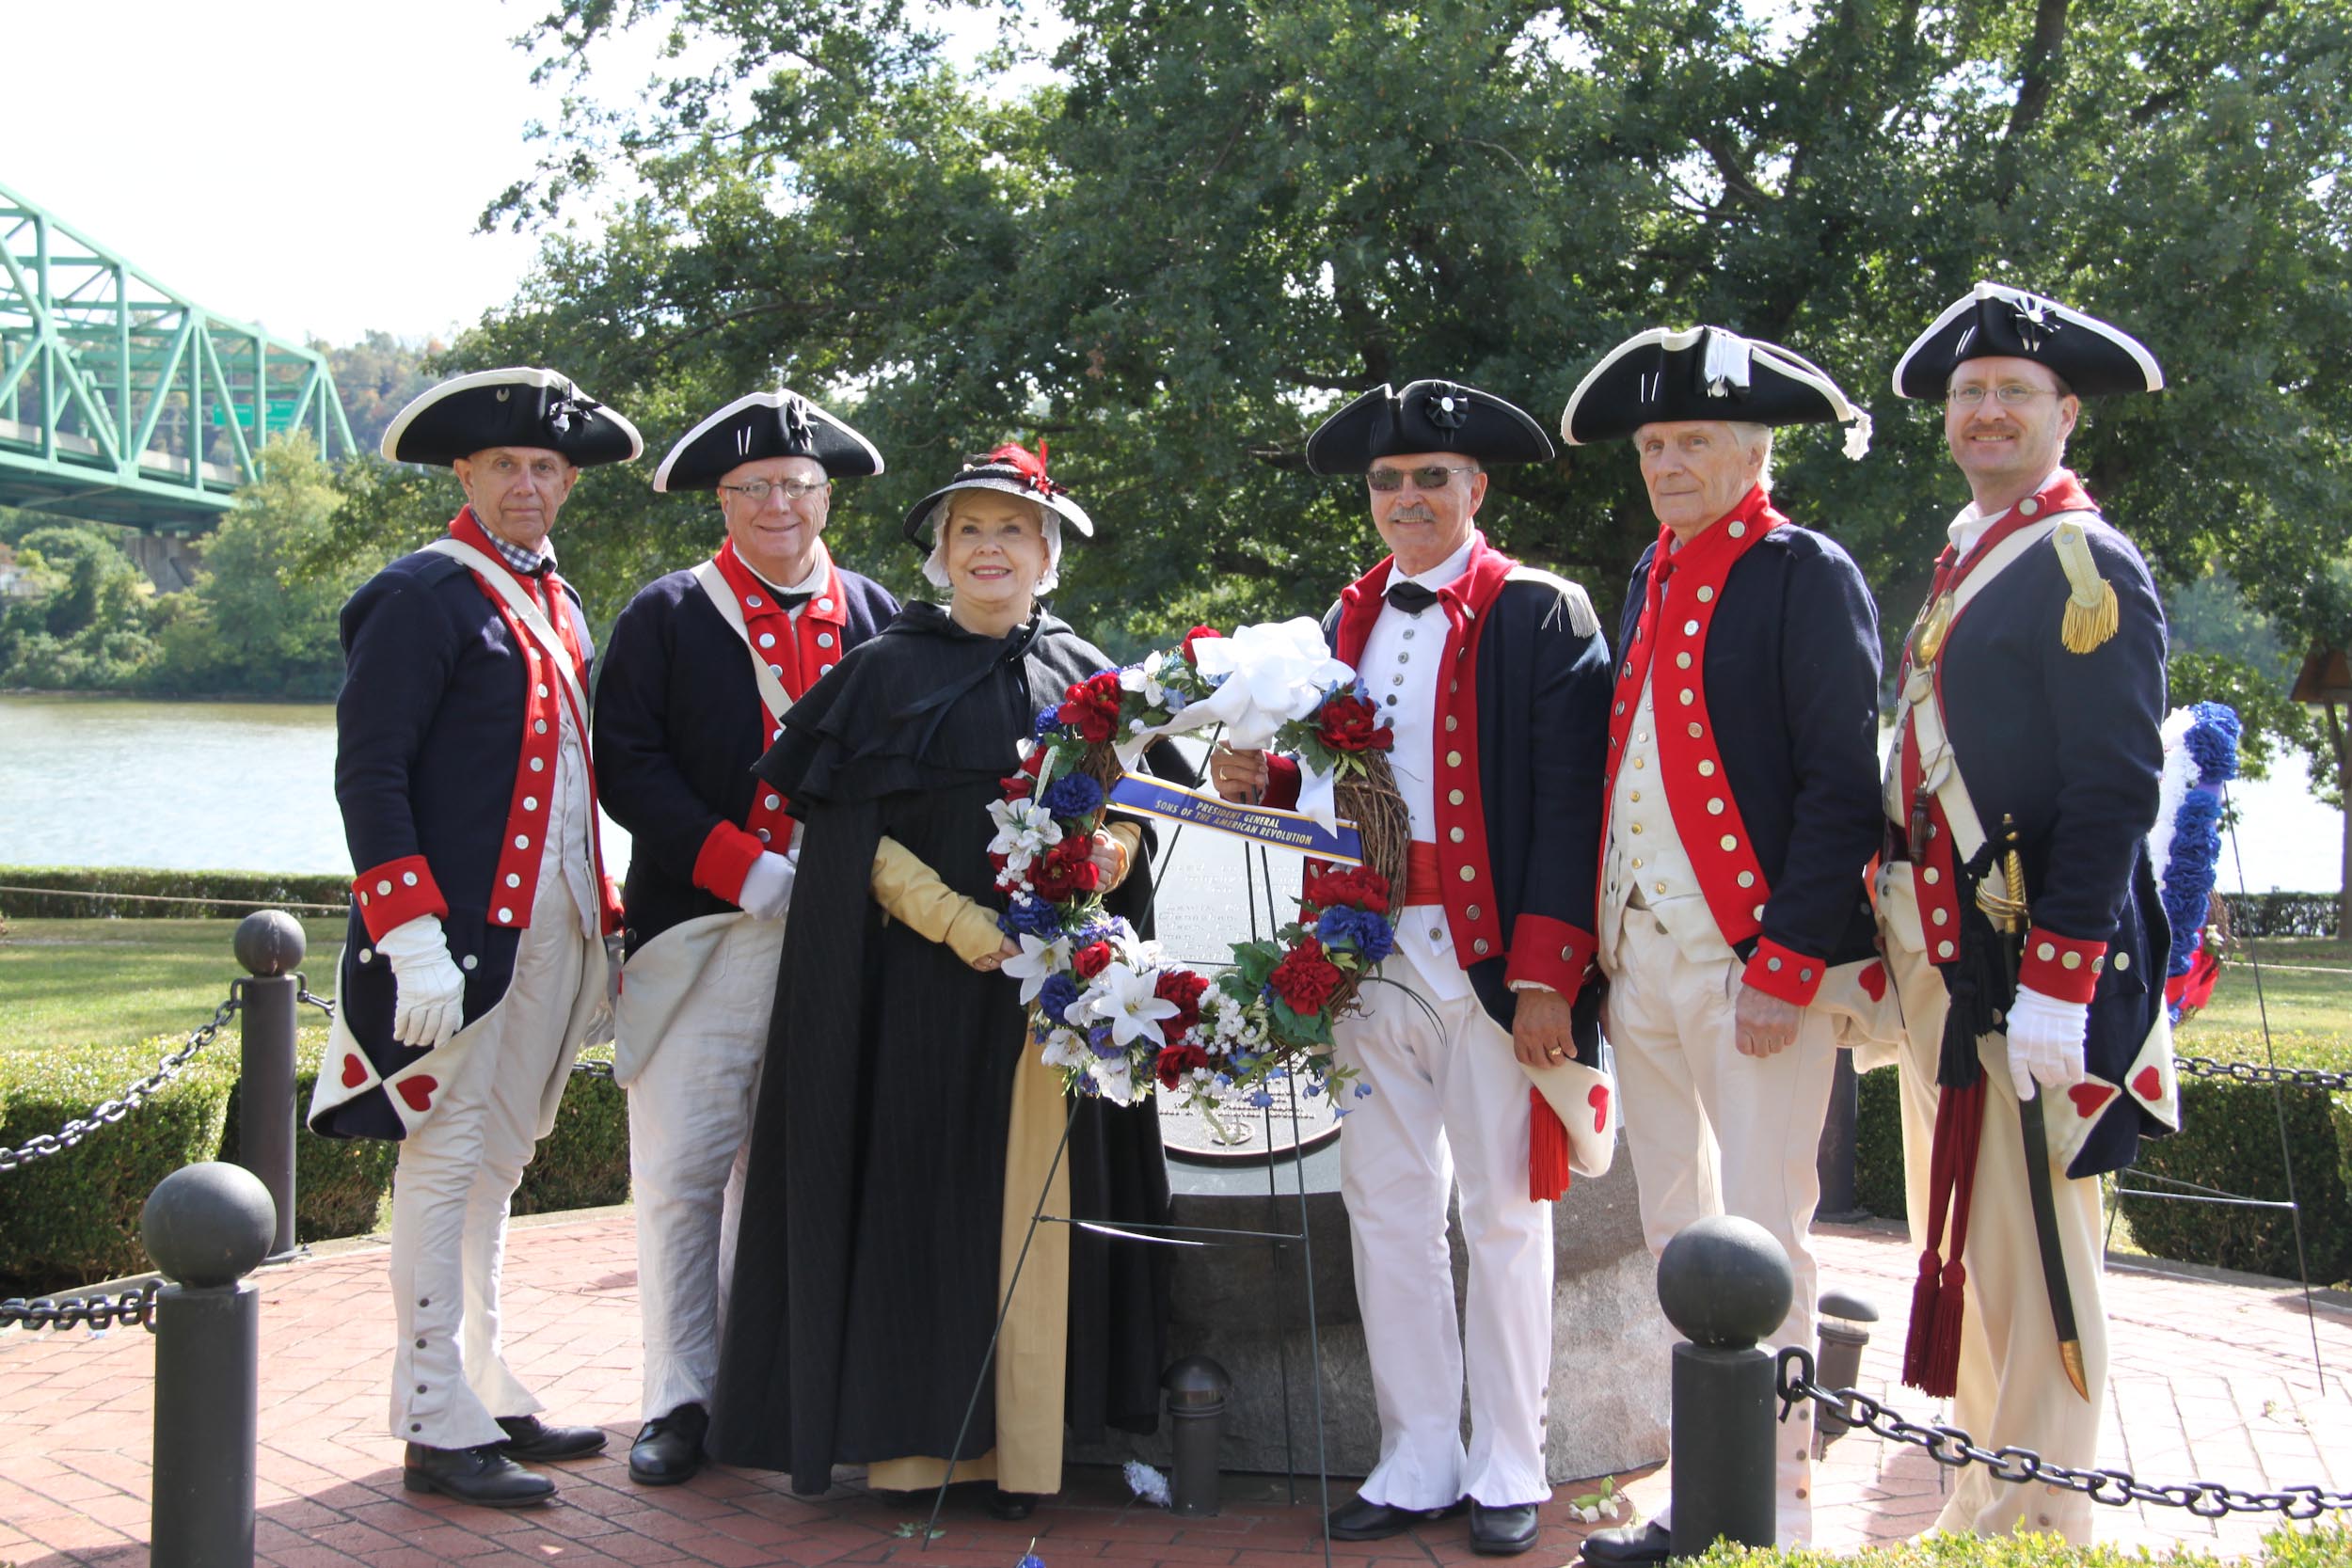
(1416, 513)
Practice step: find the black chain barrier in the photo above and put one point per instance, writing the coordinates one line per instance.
(2249, 1072)
(130, 1307)
(583, 1068)
(107, 1113)
(1950, 1446)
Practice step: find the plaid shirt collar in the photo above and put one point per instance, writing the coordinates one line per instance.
(522, 561)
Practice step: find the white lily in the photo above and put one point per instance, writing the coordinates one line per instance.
(1145, 678)
(1025, 830)
(1124, 997)
(1113, 1077)
(1036, 962)
(1066, 1048)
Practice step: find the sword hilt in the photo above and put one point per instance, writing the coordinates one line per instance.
(2006, 909)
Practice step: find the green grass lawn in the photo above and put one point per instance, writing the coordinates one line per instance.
(2306, 991)
(85, 982)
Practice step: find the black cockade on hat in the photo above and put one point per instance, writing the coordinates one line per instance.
(1426, 416)
(1993, 320)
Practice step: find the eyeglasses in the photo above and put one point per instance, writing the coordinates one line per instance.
(2011, 393)
(1430, 476)
(757, 490)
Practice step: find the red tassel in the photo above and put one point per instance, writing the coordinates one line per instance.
(1942, 1379)
(1923, 1293)
(1547, 1150)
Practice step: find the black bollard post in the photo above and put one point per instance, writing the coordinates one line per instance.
(1197, 1388)
(1724, 1283)
(270, 945)
(206, 1226)
(1834, 1158)
(1837, 1359)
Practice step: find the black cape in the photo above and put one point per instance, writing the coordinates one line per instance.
(866, 1275)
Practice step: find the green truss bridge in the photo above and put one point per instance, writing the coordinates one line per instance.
(123, 401)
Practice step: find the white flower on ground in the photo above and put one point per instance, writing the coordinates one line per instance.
(1038, 961)
(1124, 997)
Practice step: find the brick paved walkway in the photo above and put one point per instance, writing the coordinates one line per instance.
(2211, 1380)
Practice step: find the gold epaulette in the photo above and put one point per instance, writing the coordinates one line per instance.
(2092, 614)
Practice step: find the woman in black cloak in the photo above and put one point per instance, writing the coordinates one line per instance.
(906, 1127)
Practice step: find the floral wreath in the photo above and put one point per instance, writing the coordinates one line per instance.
(1106, 1006)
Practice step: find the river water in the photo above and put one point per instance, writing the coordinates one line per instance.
(250, 786)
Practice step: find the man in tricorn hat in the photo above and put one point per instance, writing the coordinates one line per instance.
(476, 961)
(1496, 679)
(1741, 813)
(2032, 687)
(703, 665)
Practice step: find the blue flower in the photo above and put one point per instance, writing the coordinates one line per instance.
(1313, 1089)
(1048, 720)
(2211, 742)
(1032, 1560)
(1262, 1100)
(1363, 1091)
(1367, 934)
(1073, 795)
(1056, 995)
(1028, 916)
(1100, 1041)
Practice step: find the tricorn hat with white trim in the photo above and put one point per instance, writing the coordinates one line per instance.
(1011, 469)
(781, 423)
(1992, 319)
(516, 406)
(1707, 372)
(1426, 416)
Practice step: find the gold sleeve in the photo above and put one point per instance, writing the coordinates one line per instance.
(1130, 836)
(910, 892)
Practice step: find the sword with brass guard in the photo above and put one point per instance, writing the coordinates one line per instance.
(2008, 915)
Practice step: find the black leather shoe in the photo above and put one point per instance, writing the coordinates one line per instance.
(1628, 1545)
(1011, 1505)
(1502, 1531)
(1360, 1520)
(529, 1437)
(482, 1476)
(668, 1448)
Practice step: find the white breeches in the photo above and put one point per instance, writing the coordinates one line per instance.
(1712, 1131)
(1447, 1107)
(2012, 1388)
(458, 1171)
(689, 1121)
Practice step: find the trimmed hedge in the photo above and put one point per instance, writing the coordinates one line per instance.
(2314, 1546)
(240, 892)
(2284, 915)
(74, 1218)
(1877, 1142)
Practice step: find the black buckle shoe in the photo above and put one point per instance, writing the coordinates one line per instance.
(529, 1437)
(1504, 1531)
(668, 1448)
(1360, 1520)
(1011, 1505)
(483, 1476)
(1628, 1545)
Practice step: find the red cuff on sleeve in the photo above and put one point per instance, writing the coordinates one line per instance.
(1785, 973)
(612, 909)
(1281, 785)
(727, 857)
(2065, 968)
(395, 893)
(1549, 952)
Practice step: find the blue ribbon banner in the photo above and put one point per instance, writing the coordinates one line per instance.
(1284, 829)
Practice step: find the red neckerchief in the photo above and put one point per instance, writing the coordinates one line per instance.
(1690, 758)
(1937, 885)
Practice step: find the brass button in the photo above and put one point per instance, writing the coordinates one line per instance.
(1452, 797)
(1453, 759)
(1478, 946)
(1469, 874)
(1473, 911)
(1454, 834)
(1452, 722)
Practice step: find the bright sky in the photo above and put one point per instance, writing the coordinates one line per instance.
(313, 166)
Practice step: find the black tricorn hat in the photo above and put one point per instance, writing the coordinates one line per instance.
(1992, 319)
(518, 406)
(1011, 469)
(781, 423)
(1427, 416)
(1705, 373)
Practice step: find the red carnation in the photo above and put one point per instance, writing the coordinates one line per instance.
(1192, 637)
(1177, 1060)
(1065, 871)
(1016, 786)
(1091, 960)
(1185, 988)
(1034, 762)
(1347, 722)
(1305, 980)
(1358, 886)
(1091, 706)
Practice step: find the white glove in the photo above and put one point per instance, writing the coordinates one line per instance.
(768, 886)
(428, 990)
(2046, 1041)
